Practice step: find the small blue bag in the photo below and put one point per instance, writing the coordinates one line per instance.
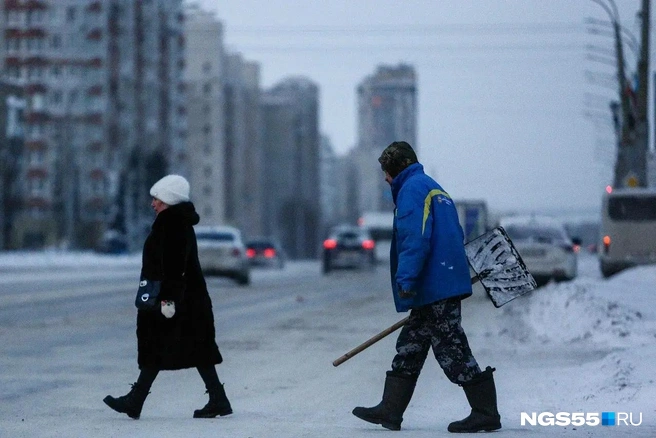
(148, 294)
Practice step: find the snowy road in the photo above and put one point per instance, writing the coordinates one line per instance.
(67, 339)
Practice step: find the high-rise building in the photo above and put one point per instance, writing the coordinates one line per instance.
(104, 113)
(205, 82)
(387, 112)
(244, 163)
(291, 157)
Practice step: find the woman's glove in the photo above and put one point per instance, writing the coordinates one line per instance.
(168, 308)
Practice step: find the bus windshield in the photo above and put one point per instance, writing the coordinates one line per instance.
(632, 208)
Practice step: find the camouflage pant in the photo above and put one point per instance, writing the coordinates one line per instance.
(435, 325)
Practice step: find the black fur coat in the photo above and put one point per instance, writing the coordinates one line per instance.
(170, 254)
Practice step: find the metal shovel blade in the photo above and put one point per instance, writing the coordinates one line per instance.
(499, 267)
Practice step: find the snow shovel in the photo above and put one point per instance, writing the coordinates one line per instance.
(496, 264)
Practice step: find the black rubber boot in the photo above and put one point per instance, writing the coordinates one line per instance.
(218, 404)
(131, 403)
(482, 397)
(396, 397)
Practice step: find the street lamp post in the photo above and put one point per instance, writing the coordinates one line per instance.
(630, 167)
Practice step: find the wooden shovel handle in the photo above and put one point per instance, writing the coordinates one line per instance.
(371, 341)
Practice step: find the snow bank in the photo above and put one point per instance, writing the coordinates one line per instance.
(573, 312)
(53, 259)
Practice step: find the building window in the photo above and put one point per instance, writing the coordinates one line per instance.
(207, 67)
(207, 129)
(207, 88)
(55, 71)
(14, 18)
(36, 158)
(207, 211)
(56, 41)
(13, 45)
(72, 97)
(207, 148)
(207, 190)
(34, 16)
(34, 44)
(38, 102)
(36, 186)
(34, 72)
(57, 97)
(97, 187)
(207, 171)
(70, 13)
(14, 72)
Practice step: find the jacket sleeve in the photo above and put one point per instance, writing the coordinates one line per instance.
(414, 225)
(175, 248)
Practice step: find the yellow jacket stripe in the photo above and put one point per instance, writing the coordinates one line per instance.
(427, 205)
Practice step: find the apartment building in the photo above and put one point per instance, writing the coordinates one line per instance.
(104, 113)
(387, 112)
(205, 82)
(292, 159)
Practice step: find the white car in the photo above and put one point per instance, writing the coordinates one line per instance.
(221, 252)
(544, 245)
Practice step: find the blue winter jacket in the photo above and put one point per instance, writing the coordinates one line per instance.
(427, 255)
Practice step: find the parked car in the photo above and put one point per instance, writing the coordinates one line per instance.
(546, 248)
(221, 252)
(348, 247)
(265, 252)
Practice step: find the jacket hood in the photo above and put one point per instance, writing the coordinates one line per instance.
(185, 213)
(402, 177)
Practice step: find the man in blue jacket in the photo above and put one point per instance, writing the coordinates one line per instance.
(430, 277)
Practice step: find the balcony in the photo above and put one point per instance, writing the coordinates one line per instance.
(38, 202)
(35, 89)
(95, 35)
(95, 146)
(95, 119)
(97, 174)
(95, 90)
(37, 172)
(36, 145)
(95, 6)
(28, 5)
(36, 117)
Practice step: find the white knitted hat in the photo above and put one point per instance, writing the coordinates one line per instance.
(172, 189)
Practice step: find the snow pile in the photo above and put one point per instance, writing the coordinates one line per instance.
(575, 312)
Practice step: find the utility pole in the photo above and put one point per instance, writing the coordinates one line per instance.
(631, 164)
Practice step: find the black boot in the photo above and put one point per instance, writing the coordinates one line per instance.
(482, 397)
(218, 404)
(131, 403)
(396, 397)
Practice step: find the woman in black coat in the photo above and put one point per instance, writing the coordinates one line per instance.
(180, 334)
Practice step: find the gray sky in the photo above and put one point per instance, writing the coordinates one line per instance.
(502, 87)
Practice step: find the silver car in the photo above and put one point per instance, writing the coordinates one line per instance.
(546, 248)
(221, 252)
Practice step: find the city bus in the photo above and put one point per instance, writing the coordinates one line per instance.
(628, 229)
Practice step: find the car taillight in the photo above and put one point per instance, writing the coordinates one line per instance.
(567, 247)
(269, 253)
(250, 253)
(606, 241)
(330, 244)
(236, 252)
(368, 244)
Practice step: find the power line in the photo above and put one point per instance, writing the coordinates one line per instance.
(407, 29)
(459, 48)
